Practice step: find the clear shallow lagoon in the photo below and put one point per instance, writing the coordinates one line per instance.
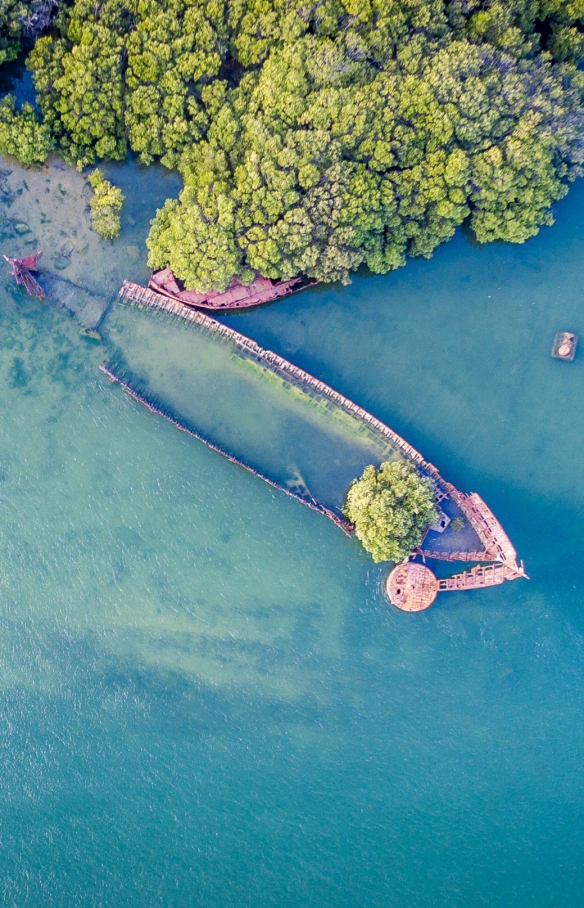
(204, 698)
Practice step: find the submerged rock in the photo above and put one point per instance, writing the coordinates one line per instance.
(61, 262)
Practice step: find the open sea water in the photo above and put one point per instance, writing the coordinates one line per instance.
(205, 699)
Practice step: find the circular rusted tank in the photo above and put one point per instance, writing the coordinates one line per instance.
(411, 587)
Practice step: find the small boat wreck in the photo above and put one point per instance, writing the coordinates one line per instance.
(237, 295)
(21, 272)
(564, 346)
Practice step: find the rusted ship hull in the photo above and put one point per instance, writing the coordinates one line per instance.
(237, 296)
(483, 539)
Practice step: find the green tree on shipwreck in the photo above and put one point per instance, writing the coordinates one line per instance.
(391, 508)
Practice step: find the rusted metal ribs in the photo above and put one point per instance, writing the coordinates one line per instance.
(21, 272)
(477, 577)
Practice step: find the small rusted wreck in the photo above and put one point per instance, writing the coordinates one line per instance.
(564, 346)
(237, 295)
(21, 272)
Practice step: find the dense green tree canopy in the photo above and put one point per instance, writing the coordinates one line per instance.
(390, 509)
(11, 15)
(105, 206)
(317, 135)
(22, 19)
(21, 134)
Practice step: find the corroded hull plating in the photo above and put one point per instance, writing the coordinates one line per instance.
(485, 540)
(237, 296)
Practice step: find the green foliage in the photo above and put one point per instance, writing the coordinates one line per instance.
(318, 164)
(21, 18)
(124, 72)
(21, 134)
(315, 137)
(390, 509)
(11, 14)
(79, 89)
(105, 206)
(517, 26)
(173, 46)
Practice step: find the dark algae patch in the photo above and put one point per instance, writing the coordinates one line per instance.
(19, 377)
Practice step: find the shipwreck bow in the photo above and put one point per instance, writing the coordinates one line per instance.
(21, 272)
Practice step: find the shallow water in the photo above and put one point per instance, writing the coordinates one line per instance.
(47, 208)
(217, 389)
(204, 697)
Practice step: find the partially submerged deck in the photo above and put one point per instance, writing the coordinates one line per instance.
(258, 292)
(470, 531)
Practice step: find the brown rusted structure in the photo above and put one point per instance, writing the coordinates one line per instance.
(564, 346)
(479, 576)
(411, 591)
(237, 295)
(496, 550)
(483, 539)
(411, 587)
(21, 272)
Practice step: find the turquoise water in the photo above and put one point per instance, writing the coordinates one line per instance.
(204, 697)
(229, 397)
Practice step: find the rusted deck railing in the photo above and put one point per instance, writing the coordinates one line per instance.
(478, 577)
(140, 296)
